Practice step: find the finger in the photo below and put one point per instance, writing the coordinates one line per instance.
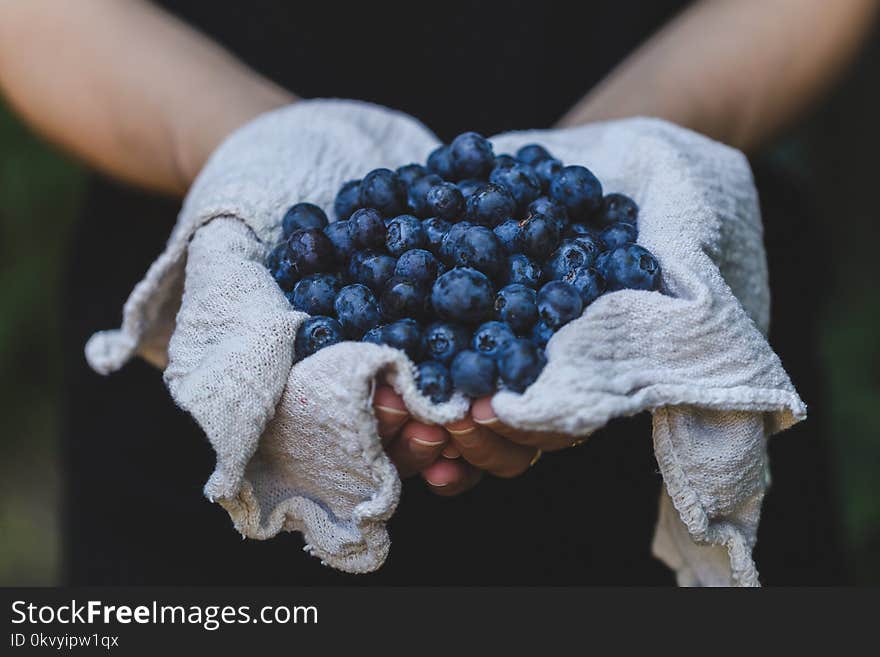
(484, 415)
(488, 451)
(391, 412)
(417, 447)
(447, 477)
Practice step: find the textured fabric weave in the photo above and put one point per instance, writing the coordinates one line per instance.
(297, 447)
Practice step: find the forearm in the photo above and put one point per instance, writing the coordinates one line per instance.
(126, 87)
(736, 70)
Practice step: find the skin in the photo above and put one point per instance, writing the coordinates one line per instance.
(736, 70)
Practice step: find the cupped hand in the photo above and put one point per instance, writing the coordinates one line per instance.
(452, 459)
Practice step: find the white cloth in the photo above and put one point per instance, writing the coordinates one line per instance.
(297, 447)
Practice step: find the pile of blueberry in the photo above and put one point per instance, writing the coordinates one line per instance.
(468, 264)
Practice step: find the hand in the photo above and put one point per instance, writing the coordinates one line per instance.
(486, 442)
(452, 459)
(415, 447)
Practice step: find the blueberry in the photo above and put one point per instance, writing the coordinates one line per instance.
(303, 215)
(453, 235)
(310, 251)
(509, 233)
(434, 381)
(520, 180)
(463, 294)
(578, 190)
(402, 298)
(618, 234)
(491, 338)
(541, 334)
(441, 341)
(479, 248)
(372, 269)
(617, 207)
(521, 269)
(374, 335)
(315, 294)
(348, 199)
(316, 333)
(547, 170)
(435, 231)
(504, 160)
(419, 266)
(337, 233)
(440, 162)
(588, 282)
(570, 255)
(578, 229)
(540, 236)
(284, 273)
(471, 155)
(404, 334)
(520, 365)
(490, 206)
(531, 154)
(559, 303)
(366, 229)
(629, 267)
(446, 201)
(470, 187)
(356, 309)
(549, 208)
(409, 173)
(593, 244)
(383, 190)
(517, 306)
(403, 233)
(473, 374)
(418, 192)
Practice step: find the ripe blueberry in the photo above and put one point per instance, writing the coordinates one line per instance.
(578, 190)
(559, 303)
(348, 199)
(471, 155)
(356, 309)
(316, 333)
(315, 294)
(303, 215)
(463, 294)
(520, 365)
(403, 233)
(383, 190)
(490, 206)
(491, 338)
(517, 306)
(434, 381)
(446, 201)
(473, 374)
(441, 341)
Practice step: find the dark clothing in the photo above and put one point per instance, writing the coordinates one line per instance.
(135, 513)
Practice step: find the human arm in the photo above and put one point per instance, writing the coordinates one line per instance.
(736, 70)
(126, 87)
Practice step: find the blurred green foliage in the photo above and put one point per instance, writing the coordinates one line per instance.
(39, 197)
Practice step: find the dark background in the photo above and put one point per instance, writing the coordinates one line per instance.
(824, 168)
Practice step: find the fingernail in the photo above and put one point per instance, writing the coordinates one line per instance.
(482, 412)
(431, 483)
(428, 443)
(461, 432)
(450, 452)
(391, 411)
